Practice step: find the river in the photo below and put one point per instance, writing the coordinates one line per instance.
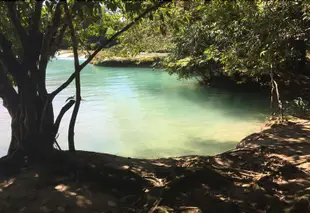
(141, 112)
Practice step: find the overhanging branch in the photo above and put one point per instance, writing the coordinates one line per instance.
(128, 26)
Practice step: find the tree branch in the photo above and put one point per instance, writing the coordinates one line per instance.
(7, 92)
(9, 59)
(128, 26)
(16, 22)
(73, 38)
(77, 80)
(36, 17)
(61, 114)
(57, 41)
(275, 89)
(51, 29)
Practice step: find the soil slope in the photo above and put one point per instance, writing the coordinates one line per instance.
(269, 171)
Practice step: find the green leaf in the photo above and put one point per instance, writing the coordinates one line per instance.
(262, 53)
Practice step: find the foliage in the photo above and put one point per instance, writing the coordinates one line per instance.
(108, 58)
(298, 107)
(150, 35)
(144, 37)
(30, 34)
(241, 38)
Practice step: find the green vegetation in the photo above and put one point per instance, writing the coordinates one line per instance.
(242, 39)
(114, 59)
(245, 41)
(30, 34)
(144, 44)
(242, 42)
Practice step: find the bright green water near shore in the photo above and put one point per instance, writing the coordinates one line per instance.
(140, 112)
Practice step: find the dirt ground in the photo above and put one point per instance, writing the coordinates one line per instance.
(268, 172)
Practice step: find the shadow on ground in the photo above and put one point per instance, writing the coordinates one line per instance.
(268, 172)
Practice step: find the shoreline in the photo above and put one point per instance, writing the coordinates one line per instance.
(268, 171)
(148, 60)
(68, 55)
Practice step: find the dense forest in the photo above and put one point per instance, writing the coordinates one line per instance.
(254, 43)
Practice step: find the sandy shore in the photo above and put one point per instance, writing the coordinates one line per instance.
(68, 54)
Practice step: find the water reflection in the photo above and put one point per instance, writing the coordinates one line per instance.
(140, 112)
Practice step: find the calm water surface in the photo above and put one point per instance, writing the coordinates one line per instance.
(139, 112)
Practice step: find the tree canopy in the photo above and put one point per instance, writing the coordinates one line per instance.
(262, 41)
(248, 38)
(31, 32)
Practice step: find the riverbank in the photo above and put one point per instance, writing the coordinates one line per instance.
(68, 54)
(109, 60)
(267, 172)
(141, 60)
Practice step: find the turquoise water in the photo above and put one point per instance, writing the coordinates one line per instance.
(140, 112)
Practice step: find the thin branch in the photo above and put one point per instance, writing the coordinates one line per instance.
(56, 40)
(274, 88)
(105, 44)
(127, 27)
(60, 37)
(280, 106)
(61, 114)
(73, 38)
(17, 22)
(59, 118)
(57, 145)
(77, 80)
(51, 42)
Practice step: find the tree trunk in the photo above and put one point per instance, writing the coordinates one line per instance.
(31, 110)
(77, 81)
(302, 50)
(30, 135)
